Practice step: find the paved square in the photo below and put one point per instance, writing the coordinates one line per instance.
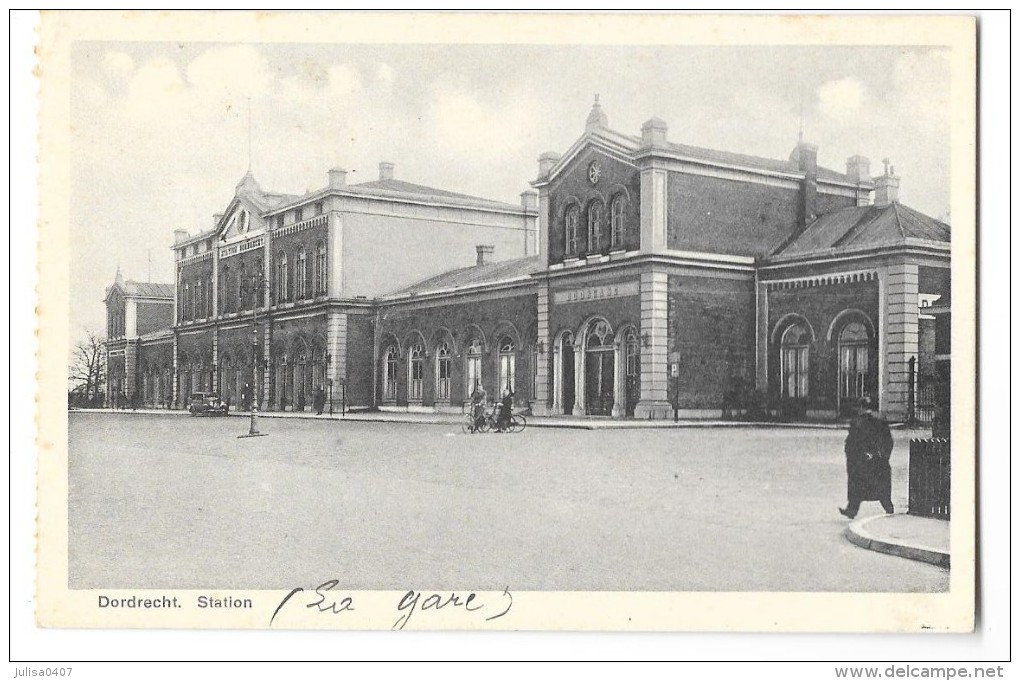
(175, 502)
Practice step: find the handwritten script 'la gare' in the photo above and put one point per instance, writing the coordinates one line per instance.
(323, 601)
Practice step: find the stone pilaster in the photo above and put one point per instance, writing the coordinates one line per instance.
(263, 366)
(336, 347)
(653, 210)
(130, 369)
(544, 223)
(654, 402)
(175, 378)
(215, 354)
(761, 336)
(898, 336)
(540, 402)
(335, 255)
(619, 378)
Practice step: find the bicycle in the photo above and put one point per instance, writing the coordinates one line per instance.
(489, 421)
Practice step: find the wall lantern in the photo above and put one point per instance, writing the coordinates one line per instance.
(540, 347)
(646, 340)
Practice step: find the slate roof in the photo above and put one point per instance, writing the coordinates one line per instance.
(401, 189)
(476, 275)
(863, 227)
(149, 289)
(727, 157)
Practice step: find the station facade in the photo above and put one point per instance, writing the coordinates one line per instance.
(645, 276)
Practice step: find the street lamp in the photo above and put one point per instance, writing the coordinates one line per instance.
(256, 361)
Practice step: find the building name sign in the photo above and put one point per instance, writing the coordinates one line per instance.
(601, 292)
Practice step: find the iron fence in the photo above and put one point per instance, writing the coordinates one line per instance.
(929, 478)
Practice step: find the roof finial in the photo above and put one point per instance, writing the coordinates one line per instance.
(119, 278)
(597, 118)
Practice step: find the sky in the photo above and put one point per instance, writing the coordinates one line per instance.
(160, 131)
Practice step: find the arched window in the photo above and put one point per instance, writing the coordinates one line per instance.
(853, 360)
(281, 278)
(300, 273)
(570, 230)
(794, 361)
(507, 364)
(632, 350)
(390, 377)
(320, 268)
(443, 371)
(474, 365)
(616, 231)
(415, 372)
(595, 226)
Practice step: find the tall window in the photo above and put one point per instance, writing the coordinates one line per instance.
(415, 372)
(794, 360)
(443, 371)
(390, 377)
(259, 283)
(300, 273)
(185, 300)
(570, 227)
(507, 364)
(616, 218)
(320, 268)
(299, 215)
(853, 360)
(209, 297)
(281, 278)
(242, 284)
(632, 350)
(595, 226)
(474, 365)
(225, 302)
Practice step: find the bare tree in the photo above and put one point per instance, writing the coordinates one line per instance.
(88, 370)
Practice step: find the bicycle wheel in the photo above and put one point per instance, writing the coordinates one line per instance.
(468, 424)
(518, 423)
(486, 424)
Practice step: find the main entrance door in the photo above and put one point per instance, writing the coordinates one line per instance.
(598, 382)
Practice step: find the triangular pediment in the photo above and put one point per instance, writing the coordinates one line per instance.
(241, 220)
(593, 144)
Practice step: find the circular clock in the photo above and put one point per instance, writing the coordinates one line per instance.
(594, 172)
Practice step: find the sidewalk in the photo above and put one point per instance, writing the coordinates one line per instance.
(437, 418)
(907, 536)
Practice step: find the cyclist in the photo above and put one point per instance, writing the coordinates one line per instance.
(478, 399)
(506, 410)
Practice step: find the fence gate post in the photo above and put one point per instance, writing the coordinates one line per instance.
(911, 394)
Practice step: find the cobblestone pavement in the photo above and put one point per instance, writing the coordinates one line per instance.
(160, 502)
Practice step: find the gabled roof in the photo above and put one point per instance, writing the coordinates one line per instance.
(632, 145)
(149, 289)
(505, 271)
(407, 190)
(863, 228)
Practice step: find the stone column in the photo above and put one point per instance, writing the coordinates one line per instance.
(263, 366)
(898, 336)
(653, 210)
(175, 377)
(654, 402)
(336, 347)
(540, 405)
(579, 375)
(215, 357)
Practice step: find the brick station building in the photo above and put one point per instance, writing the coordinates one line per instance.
(660, 276)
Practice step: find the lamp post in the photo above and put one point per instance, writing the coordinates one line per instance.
(256, 361)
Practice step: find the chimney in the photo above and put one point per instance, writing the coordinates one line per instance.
(806, 157)
(216, 219)
(597, 118)
(887, 187)
(180, 235)
(546, 162)
(858, 169)
(386, 170)
(337, 178)
(653, 132)
(484, 253)
(529, 200)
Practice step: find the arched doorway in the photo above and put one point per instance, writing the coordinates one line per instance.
(854, 344)
(599, 366)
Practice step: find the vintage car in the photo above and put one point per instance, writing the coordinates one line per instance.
(208, 404)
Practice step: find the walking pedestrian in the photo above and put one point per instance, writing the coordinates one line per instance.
(319, 401)
(868, 448)
(478, 400)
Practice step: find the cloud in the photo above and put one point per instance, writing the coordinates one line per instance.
(841, 99)
(230, 72)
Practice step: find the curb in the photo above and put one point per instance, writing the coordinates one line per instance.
(533, 422)
(858, 535)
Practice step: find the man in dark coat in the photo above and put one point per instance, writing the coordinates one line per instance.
(868, 474)
(320, 401)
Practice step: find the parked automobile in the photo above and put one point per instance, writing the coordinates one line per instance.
(208, 404)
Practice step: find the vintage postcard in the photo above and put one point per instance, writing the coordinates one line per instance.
(507, 322)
